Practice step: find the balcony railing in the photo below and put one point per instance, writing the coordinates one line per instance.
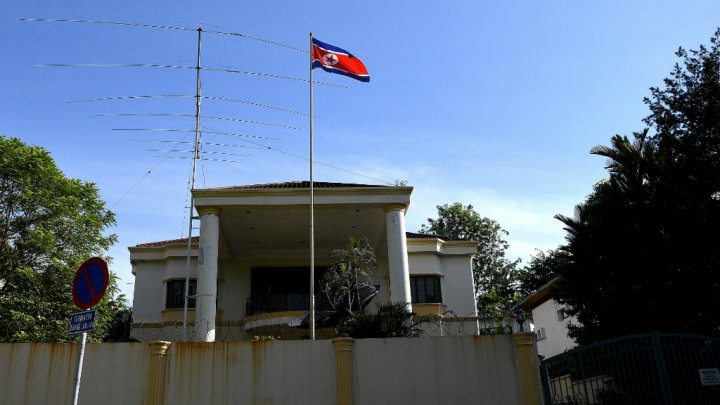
(260, 304)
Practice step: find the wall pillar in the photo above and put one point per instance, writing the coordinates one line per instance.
(399, 270)
(528, 368)
(343, 370)
(206, 301)
(156, 379)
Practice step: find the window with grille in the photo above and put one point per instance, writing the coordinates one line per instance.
(425, 289)
(175, 297)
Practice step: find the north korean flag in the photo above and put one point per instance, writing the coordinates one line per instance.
(336, 60)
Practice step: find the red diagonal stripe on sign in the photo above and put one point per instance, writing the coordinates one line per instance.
(90, 287)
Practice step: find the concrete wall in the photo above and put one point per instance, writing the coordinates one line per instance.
(279, 372)
(448, 370)
(44, 373)
(438, 370)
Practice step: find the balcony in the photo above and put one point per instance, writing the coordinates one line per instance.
(282, 302)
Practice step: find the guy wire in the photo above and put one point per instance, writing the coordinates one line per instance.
(307, 159)
(236, 135)
(219, 98)
(156, 65)
(193, 116)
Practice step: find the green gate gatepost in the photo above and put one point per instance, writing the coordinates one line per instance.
(661, 369)
(545, 382)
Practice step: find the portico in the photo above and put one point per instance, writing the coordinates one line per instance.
(265, 224)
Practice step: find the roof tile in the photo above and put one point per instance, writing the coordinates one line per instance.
(296, 184)
(163, 243)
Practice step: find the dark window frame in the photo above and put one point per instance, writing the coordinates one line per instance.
(426, 289)
(175, 293)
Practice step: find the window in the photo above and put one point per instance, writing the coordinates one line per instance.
(175, 297)
(425, 289)
(275, 289)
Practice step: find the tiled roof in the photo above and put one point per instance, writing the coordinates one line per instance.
(540, 295)
(162, 243)
(196, 239)
(297, 184)
(414, 235)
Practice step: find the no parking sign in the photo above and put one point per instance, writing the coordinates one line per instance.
(90, 283)
(88, 288)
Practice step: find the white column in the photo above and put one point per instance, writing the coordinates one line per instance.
(398, 268)
(207, 274)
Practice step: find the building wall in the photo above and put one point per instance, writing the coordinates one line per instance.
(152, 321)
(447, 370)
(149, 296)
(456, 280)
(556, 340)
(233, 289)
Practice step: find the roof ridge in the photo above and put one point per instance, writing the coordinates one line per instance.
(196, 239)
(161, 243)
(297, 184)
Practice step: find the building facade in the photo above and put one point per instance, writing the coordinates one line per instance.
(550, 321)
(249, 268)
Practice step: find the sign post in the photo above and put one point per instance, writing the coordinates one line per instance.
(89, 286)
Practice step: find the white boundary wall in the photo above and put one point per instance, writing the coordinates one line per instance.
(428, 370)
(437, 370)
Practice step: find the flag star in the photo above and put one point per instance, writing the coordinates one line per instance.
(330, 59)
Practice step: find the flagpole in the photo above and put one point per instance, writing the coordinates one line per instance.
(312, 205)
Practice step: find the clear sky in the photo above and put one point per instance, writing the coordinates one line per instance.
(489, 103)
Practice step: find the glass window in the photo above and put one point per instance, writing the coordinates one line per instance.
(425, 289)
(175, 297)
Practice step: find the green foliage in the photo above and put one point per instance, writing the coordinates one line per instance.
(542, 268)
(351, 270)
(118, 324)
(390, 320)
(643, 247)
(49, 225)
(494, 275)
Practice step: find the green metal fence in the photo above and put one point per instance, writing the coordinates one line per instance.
(653, 368)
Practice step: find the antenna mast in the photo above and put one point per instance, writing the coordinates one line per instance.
(196, 157)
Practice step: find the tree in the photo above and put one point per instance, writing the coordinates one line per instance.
(643, 247)
(494, 276)
(348, 284)
(350, 273)
(49, 225)
(542, 268)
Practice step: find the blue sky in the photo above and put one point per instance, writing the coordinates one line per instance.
(494, 104)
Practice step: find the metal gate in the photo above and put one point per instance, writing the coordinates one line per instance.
(653, 368)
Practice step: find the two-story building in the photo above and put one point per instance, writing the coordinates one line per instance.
(249, 268)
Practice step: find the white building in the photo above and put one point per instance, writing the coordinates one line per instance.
(549, 320)
(250, 265)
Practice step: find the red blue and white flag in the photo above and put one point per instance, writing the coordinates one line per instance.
(336, 60)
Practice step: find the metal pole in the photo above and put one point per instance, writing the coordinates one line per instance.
(196, 156)
(312, 205)
(76, 391)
